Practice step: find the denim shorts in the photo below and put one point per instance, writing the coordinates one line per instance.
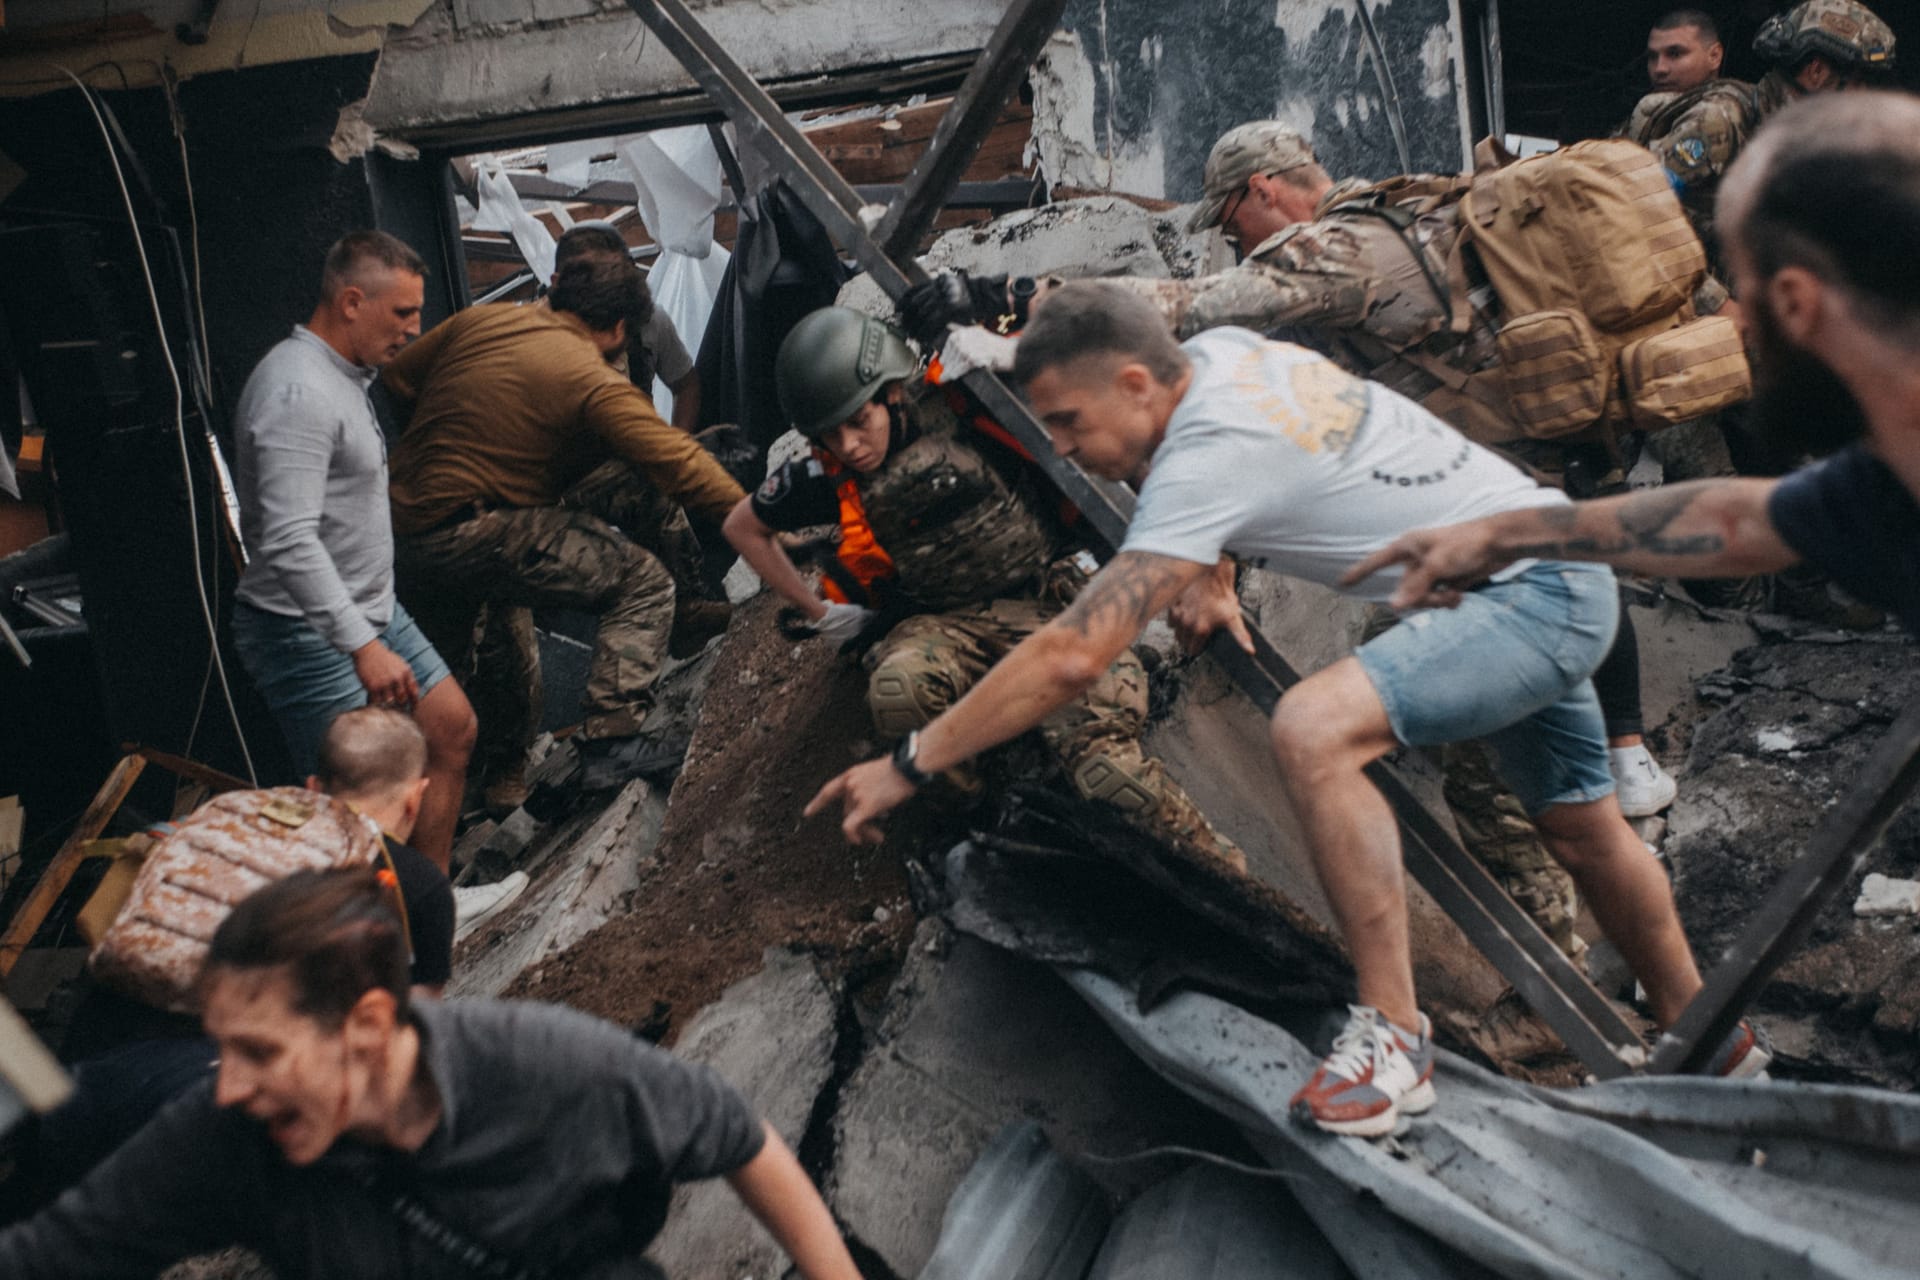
(306, 682)
(1511, 665)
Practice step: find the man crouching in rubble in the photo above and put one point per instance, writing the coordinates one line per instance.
(1272, 453)
(947, 559)
(354, 1132)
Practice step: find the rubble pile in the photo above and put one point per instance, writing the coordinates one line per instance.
(1786, 729)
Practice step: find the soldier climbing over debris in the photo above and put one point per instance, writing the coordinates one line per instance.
(947, 559)
(501, 499)
(1247, 447)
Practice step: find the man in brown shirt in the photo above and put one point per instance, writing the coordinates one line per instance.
(511, 410)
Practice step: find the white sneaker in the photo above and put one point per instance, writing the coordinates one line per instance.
(1643, 786)
(475, 905)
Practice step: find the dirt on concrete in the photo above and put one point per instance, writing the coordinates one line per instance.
(737, 869)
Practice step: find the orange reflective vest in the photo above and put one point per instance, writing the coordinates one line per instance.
(860, 554)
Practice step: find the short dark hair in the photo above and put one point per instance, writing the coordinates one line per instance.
(1832, 184)
(338, 934)
(1699, 19)
(589, 239)
(602, 292)
(351, 256)
(370, 750)
(1092, 318)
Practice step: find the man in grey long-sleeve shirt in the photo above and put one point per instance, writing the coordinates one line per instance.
(318, 626)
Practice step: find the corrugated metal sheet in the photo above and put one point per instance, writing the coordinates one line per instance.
(1214, 1224)
(1637, 1180)
(1021, 1213)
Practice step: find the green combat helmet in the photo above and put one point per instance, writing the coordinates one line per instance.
(1845, 33)
(834, 361)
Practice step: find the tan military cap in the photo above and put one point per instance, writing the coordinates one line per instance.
(1262, 146)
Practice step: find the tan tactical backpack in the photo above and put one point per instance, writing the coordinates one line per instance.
(1595, 266)
(196, 873)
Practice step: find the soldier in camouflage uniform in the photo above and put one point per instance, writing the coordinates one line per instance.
(948, 557)
(1816, 47)
(504, 500)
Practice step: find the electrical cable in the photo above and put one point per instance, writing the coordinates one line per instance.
(179, 415)
(1203, 1157)
(204, 370)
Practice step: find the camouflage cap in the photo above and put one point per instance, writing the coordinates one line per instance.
(1262, 146)
(1842, 30)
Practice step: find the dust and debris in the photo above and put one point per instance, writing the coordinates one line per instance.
(736, 869)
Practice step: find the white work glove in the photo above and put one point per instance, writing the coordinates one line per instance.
(842, 623)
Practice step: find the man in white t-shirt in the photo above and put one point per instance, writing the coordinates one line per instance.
(1272, 454)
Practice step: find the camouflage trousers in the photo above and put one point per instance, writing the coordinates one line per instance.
(1495, 829)
(472, 587)
(926, 663)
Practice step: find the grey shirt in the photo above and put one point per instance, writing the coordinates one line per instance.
(312, 479)
(559, 1142)
(657, 352)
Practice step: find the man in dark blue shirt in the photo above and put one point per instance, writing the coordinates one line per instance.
(1820, 217)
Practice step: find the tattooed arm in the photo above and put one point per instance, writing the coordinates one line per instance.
(1701, 529)
(1048, 669)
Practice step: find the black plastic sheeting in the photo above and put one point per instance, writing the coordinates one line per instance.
(784, 266)
(1061, 883)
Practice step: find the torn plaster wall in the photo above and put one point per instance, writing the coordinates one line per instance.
(443, 76)
(1133, 93)
(141, 38)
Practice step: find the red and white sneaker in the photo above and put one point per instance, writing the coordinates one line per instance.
(1376, 1072)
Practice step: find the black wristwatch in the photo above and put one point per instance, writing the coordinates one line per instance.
(902, 757)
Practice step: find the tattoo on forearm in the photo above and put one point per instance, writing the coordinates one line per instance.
(1643, 521)
(1127, 593)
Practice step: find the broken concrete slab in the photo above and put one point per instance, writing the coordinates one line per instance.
(603, 68)
(772, 1036)
(581, 878)
(972, 1039)
(1091, 236)
(1216, 744)
(1884, 896)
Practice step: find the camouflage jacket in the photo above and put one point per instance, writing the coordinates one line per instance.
(1697, 135)
(1352, 285)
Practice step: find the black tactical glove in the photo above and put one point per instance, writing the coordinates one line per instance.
(952, 297)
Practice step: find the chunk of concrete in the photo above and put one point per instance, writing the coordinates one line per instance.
(772, 1037)
(1092, 236)
(1883, 896)
(975, 1038)
(581, 875)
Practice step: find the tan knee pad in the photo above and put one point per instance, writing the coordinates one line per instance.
(1103, 778)
(897, 703)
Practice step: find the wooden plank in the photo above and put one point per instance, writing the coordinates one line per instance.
(53, 881)
(192, 770)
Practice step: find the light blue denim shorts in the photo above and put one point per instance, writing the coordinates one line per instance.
(306, 682)
(1510, 665)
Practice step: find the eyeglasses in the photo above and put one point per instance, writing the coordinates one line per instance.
(1231, 207)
